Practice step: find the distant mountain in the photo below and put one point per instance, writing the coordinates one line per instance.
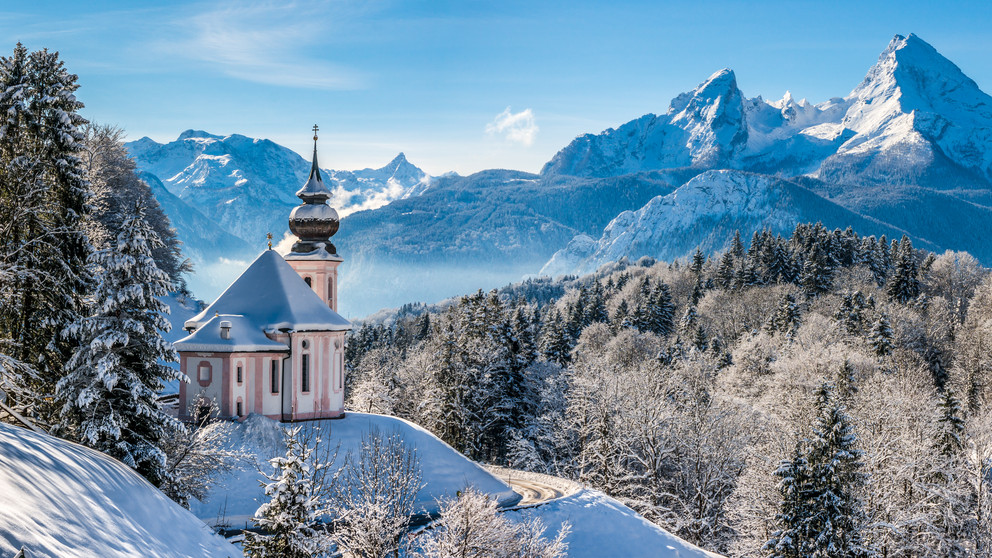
(247, 186)
(224, 193)
(705, 212)
(908, 150)
(479, 231)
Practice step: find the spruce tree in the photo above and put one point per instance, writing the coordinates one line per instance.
(835, 520)
(291, 519)
(108, 394)
(43, 194)
(880, 336)
(725, 271)
(792, 538)
(904, 284)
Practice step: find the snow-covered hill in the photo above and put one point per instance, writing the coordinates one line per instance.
(705, 212)
(602, 526)
(63, 500)
(445, 471)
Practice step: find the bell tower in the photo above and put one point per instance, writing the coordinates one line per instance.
(314, 222)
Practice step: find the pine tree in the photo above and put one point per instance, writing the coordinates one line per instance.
(698, 259)
(725, 271)
(43, 196)
(880, 336)
(792, 538)
(816, 277)
(835, 519)
(555, 345)
(108, 395)
(951, 424)
(786, 316)
(663, 310)
(290, 519)
(904, 284)
(687, 324)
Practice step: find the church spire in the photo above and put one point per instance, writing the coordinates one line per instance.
(314, 222)
(314, 191)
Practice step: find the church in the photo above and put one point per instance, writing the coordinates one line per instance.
(273, 342)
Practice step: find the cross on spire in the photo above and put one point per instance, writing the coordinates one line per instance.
(315, 132)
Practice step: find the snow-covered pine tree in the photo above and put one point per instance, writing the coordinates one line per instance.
(298, 493)
(725, 271)
(43, 195)
(835, 521)
(108, 394)
(698, 259)
(555, 345)
(792, 539)
(904, 283)
(816, 277)
(662, 310)
(687, 324)
(786, 316)
(880, 336)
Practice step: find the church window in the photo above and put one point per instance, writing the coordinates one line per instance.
(274, 373)
(340, 370)
(240, 375)
(305, 373)
(309, 281)
(240, 409)
(203, 373)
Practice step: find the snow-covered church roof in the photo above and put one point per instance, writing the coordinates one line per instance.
(242, 337)
(271, 296)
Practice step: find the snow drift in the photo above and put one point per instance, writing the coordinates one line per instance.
(61, 499)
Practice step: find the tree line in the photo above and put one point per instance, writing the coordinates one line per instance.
(824, 394)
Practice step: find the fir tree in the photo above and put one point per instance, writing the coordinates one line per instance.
(698, 259)
(108, 395)
(950, 422)
(291, 518)
(816, 277)
(786, 316)
(725, 271)
(792, 538)
(904, 285)
(43, 196)
(555, 345)
(880, 336)
(835, 520)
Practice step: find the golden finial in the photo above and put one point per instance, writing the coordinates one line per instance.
(269, 236)
(314, 132)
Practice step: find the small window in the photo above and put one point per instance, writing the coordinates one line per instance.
(309, 281)
(275, 376)
(240, 375)
(305, 374)
(241, 410)
(204, 373)
(340, 374)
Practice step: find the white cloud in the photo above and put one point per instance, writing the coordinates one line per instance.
(516, 127)
(270, 43)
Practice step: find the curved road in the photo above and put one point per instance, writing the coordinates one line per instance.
(533, 492)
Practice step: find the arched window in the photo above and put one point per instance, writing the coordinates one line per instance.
(204, 373)
(240, 375)
(305, 373)
(330, 292)
(240, 408)
(308, 280)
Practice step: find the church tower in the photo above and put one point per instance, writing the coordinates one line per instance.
(314, 222)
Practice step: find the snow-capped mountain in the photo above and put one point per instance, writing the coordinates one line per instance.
(705, 212)
(247, 185)
(916, 118)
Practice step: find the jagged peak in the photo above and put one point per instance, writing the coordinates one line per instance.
(721, 83)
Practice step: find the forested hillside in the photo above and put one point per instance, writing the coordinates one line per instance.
(776, 399)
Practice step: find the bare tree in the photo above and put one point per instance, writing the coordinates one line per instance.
(197, 456)
(472, 527)
(375, 496)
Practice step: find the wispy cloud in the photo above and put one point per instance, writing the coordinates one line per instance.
(269, 43)
(516, 127)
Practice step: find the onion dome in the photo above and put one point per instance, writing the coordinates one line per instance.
(314, 222)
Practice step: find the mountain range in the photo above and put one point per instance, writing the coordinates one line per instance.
(907, 151)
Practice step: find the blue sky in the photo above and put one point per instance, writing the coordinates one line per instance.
(460, 85)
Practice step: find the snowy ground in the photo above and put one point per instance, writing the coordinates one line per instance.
(60, 499)
(602, 526)
(445, 472)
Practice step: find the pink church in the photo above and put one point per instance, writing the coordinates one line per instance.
(273, 342)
